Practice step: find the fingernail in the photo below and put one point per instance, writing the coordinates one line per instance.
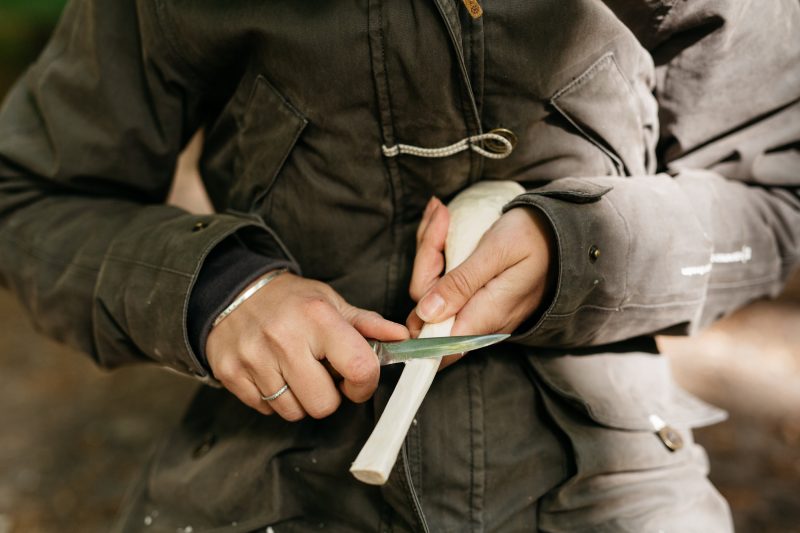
(430, 307)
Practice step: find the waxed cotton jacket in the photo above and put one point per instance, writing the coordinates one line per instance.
(322, 121)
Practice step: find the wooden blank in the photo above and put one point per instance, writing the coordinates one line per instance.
(472, 212)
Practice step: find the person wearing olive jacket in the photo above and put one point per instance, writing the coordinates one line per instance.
(322, 123)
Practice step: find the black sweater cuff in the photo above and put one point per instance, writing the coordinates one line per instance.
(227, 270)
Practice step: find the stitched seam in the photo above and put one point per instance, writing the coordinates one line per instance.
(583, 77)
(243, 125)
(170, 33)
(117, 259)
(608, 57)
(628, 251)
(559, 194)
(685, 303)
(449, 13)
(390, 106)
(743, 283)
(383, 96)
(471, 414)
(636, 109)
(615, 160)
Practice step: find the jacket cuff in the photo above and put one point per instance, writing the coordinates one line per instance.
(229, 268)
(144, 286)
(596, 251)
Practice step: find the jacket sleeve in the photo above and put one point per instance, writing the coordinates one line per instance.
(88, 143)
(720, 226)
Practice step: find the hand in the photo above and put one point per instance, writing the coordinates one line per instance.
(497, 288)
(281, 334)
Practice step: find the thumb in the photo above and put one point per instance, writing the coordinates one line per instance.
(454, 289)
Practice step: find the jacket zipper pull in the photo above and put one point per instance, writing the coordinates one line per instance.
(474, 8)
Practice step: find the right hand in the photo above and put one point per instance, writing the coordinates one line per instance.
(281, 334)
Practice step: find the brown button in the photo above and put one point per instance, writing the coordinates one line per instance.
(671, 438)
(594, 253)
(200, 226)
(497, 147)
(205, 445)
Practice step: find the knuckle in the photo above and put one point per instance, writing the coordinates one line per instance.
(416, 288)
(226, 370)
(362, 369)
(368, 317)
(275, 336)
(460, 282)
(250, 353)
(414, 292)
(317, 307)
(324, 407)
(293, 414)
(360, 395)
(265, 409)
(252, 400)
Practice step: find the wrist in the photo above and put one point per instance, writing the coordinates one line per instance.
(547, 233)
(546, 246)
(258, 284)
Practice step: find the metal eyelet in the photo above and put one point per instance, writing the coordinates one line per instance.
(497, 147)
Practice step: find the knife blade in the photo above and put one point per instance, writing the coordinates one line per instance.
(401, 351)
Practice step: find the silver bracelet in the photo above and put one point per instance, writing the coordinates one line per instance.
(254, 288)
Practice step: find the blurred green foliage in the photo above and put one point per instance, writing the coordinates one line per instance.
(25, 26)
(48, 9)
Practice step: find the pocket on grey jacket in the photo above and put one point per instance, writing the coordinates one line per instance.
(602, 105)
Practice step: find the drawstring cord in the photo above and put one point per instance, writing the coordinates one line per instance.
(473, 143)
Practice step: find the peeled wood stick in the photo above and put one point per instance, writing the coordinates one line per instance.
(472, 212)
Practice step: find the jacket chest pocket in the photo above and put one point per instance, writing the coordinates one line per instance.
(603, 106)
(267, 131)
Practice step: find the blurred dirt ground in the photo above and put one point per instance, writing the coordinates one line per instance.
(73, 436)
(749, 364)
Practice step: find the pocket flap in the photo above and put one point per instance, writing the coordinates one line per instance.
(269, 129)
(601, 104)
(624, 390)
(575, 190)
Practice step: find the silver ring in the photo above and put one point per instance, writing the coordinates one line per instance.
(273, 396)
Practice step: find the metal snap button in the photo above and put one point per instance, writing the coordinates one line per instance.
(199, 226)
(497, 147)
(594, 253)
(671, 438)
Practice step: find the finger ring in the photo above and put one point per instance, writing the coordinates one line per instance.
(273, 396)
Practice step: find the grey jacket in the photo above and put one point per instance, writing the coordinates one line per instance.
(304, 107)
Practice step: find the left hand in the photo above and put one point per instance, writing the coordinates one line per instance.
(500, 284)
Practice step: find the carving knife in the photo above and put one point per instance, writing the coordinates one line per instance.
(401, 351)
